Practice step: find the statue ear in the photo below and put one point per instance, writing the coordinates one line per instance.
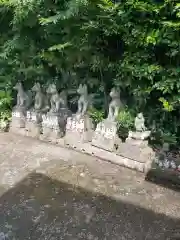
(85, 87)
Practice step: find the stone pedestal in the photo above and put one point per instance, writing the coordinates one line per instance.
(139, 135)
(54, 124)
(137, 150)
(18, 121)
(105, 136)
(50, 127)
(79, 129)
(33, 124)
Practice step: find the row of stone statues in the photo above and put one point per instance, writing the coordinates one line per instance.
(45, 115)
(41, 101)
(58, 100)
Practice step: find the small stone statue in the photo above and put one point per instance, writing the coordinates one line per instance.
(57, 100)
(41, 101)
(84, 100)
(24, 99)
(140, 123)
(136, 146)
(141, 130)
(114, 105)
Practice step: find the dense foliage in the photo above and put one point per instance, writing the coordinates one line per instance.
(132, 44)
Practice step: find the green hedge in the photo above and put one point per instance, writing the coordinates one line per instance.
(131, 44)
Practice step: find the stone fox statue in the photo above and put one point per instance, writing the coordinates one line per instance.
(114, 105)
(41, 103)
(85, 99)
(24, 99)
(57, 100)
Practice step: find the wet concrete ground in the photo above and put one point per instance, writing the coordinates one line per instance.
(47, 192)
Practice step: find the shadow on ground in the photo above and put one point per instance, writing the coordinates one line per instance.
(167, 179)
(42, 208)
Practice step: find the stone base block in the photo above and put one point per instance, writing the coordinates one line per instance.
(51, 135)
(139, 135)
(18, 117)
(102, 154)
(78, 130)
(105, 136)
(18, 122)
(75, 138)
(138, 151)
(33, 129)
(16, 130)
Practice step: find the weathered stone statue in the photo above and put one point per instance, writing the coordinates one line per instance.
(84, 100)
(105, 135)
(80, 127)
(114, 105)
(140, 123)
(57, 100)
(34, 116)
(24, 102)
(24, 99)
(54, 122)
(41, 103)
(141, 132)
(136, 146)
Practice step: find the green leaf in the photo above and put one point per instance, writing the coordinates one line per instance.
(60, 47)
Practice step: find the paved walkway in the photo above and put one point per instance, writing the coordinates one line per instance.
(47, 192)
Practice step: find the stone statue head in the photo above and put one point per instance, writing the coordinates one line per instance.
(51, 89)
(115, 93)
(18, 86)
(36, 87)
(140, 115)
(82, 90)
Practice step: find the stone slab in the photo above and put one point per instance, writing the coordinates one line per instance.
(105, 135)
(19, 131)
(78, 130)
(137, 151)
